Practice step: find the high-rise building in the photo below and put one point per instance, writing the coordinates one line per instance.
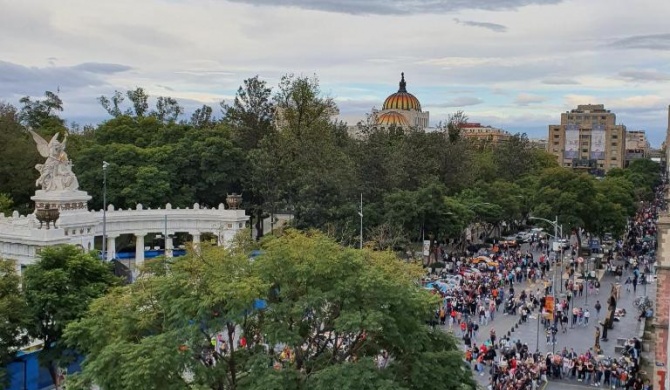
(588, 138)
(637, 145)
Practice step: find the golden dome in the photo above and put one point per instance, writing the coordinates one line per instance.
(392, 118)
(402, 100)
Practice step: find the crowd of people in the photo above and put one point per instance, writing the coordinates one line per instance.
(481, 296)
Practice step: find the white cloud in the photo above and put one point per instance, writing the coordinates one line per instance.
(202, 50)
(461, 101)
(560, 81)
(526, 99)
(495, 27)
(644, 75)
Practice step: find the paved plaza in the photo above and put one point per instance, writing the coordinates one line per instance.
(580, 338)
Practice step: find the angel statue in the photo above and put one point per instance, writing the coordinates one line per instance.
(56, 172)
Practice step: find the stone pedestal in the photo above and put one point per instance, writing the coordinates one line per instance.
(62, 200)
(72, 207)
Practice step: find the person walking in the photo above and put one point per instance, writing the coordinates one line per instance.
(587, 314)
(598, 306)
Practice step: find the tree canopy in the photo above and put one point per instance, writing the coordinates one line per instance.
(331, 313)
(13, 316)
(283, 148)
(58, 289)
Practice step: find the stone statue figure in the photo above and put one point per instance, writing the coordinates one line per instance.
(56, 172)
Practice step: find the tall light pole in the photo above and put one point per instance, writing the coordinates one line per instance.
(360, 214)
(553, 279)
(105, 164)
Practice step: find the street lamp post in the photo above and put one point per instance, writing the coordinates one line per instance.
(360, 214)
(105, 164)
(553, 278)
(562, 265)
(537, 341)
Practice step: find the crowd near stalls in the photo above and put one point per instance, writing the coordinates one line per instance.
(485, 286)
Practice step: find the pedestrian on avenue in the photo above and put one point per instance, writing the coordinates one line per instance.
(564, 322)
(598, 306)
(587, 314)
(628, 282)
(597, 344)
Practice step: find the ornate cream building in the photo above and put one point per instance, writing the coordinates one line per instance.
(401, 109)
(478, 132)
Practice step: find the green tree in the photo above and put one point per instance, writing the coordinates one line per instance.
(42, 114)
(58, 289)
(13, 319)
(202, 117)
(17, 160)
(250, 117)
(568, 195)
(112, 104)
(6, 204)
(168, 109)
(336, 308)
(334, 305)
(454, 124)
(250, 120)
(167, 323)
(140, 102)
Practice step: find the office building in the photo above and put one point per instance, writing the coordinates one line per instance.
(637, 145)
(589, 139)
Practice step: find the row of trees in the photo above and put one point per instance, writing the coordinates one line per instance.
(336, 317)
(284, 150)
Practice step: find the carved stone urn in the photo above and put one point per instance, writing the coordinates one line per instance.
(234, 201)
(47, 214)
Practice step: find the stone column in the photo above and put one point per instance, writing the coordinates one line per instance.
(169, 246)
(111, 247)
(139, 249)
(196, 242)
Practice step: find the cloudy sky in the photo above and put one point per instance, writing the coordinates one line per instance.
(515, 64)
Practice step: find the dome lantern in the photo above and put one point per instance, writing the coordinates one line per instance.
(402, 100)
(403, 84)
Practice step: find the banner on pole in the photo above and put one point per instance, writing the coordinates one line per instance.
(426, 247)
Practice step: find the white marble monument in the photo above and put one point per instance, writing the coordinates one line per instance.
(62, 216)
